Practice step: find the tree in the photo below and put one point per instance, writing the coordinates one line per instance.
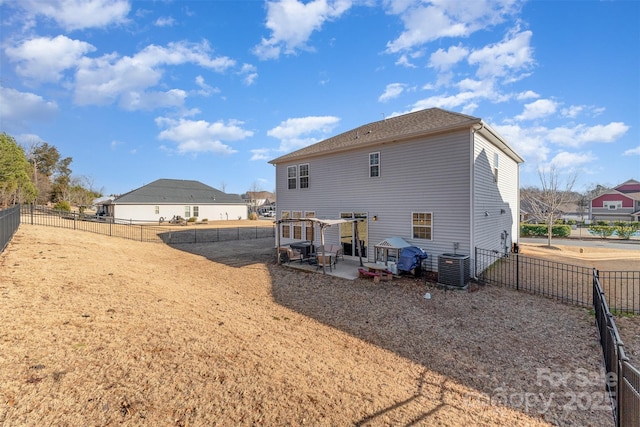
(545, 203)
(15, 185)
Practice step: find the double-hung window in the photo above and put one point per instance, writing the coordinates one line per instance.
(292, 177)
(374, 164)
(297, 226)
(286, 226)
(422, 225)
(304, 175)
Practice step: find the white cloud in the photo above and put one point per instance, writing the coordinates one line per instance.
(205, 89)
(17, 109)
(512, 55)
(151, 100)
(566, 160)
(445, 59)
(44, 59)
(260, 154)
(197, 136)
(103, 80)
(572, 111)
(425, 21)
(165, 21)
(538, 109)
(291, 131)
(393, 90)
(292, 22)
(633, 151)
(529, 94)
(79, 14)
(250, 73)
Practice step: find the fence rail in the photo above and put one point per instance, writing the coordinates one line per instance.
(623, 379)
(568, 283)
(143, 232)
(9, 223)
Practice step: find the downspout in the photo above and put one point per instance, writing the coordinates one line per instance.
(472, 226)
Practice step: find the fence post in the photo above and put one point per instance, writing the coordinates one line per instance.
(517, 271)
(31, 211)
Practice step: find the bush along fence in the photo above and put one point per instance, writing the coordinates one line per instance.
(9, 223)
(143, 232)
(565, 282)
(622, 379)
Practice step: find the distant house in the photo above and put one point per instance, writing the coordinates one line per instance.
(621, 203)
(443, 181)
(260, 201)
(165, 198)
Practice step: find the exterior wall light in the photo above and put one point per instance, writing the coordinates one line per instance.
(375, 218)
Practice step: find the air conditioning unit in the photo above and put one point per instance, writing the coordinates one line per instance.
(453, 270)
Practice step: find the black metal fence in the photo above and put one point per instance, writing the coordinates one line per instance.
(568, 283)
(143, 232)
(9, 223)
(623, 379)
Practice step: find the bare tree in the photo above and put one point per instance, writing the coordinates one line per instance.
(545, 203)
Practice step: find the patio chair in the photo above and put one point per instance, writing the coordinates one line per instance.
(289, 254)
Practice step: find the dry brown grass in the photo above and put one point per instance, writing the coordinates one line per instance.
(97, 330)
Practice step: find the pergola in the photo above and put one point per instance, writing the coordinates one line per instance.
(323, 224)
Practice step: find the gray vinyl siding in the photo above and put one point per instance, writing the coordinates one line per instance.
(425, 175)
(496, 204)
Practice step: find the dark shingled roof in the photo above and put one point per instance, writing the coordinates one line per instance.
(409, 125)
(165, 191)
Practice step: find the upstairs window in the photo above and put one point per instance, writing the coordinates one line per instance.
(304, 176)
(292, 177)
(422, 225)
(496, 160)
(374, 165)
(612, 204)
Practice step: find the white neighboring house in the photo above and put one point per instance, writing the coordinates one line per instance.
(443, 181)
(165, 198)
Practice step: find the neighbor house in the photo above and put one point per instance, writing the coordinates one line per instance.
(442, 181)
(621, 203)
(163, 199)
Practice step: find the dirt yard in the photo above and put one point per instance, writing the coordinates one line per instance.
(96, 330)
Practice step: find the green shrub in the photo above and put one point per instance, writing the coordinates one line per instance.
(541, 230)
(603, 231)
(62, 206)
(192, 219)
(253, 216)
(625, 230)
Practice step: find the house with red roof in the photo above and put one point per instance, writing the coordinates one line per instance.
(621, 203)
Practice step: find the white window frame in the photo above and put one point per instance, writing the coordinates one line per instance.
(286, 226)
(612, 205)
(496, 160)
(187, 212)
(292, 177)
(196, 211)
(414, 226)
(297, 226)
(301, 176)
(373, 164)
(156, 209)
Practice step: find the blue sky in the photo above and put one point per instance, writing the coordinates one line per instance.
(135, 91)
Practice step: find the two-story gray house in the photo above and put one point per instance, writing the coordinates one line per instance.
(440, 180)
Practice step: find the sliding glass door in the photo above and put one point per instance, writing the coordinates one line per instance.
(353, 235)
